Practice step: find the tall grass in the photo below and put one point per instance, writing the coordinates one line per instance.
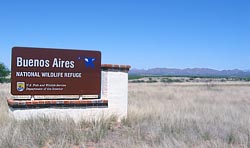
(160, 115)
(190, 116)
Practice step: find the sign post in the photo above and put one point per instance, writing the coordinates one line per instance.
(45, 71)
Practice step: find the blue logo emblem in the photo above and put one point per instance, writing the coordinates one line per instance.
(89, 62)
(20, 86)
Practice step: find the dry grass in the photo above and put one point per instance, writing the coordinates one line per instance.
(190, 116)
(160, 115)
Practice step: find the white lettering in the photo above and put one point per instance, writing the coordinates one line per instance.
(52, 74)
(59, 63)
(19, 62)
(72, 75)
(27, 74)
(31, 62)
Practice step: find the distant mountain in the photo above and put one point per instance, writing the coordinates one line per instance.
(191, 72)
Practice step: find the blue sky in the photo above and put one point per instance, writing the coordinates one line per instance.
(144, 34)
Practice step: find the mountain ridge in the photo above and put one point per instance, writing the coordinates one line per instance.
(190, 72)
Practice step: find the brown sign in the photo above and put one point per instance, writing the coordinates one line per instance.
(44, 71)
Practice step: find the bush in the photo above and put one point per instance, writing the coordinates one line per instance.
(4, 72)
(134, 77)
(151, 81)
(4, 80)
(137, 81)
(168, 80)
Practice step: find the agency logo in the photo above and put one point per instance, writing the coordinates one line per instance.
(89, 61)
(20, 86)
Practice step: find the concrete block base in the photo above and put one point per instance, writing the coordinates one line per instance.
(77, 114)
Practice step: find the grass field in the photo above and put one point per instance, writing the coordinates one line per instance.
(160, 115)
